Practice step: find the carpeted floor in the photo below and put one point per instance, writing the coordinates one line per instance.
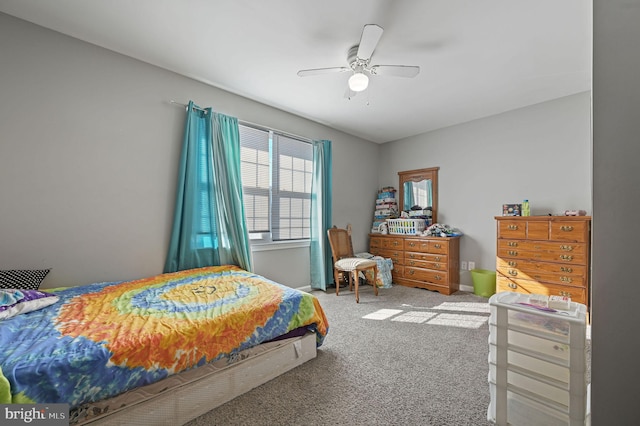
(407, 357)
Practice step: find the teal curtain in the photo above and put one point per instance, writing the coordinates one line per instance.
(234, 247)
(209, 226)
(408, 196)
(321, 195)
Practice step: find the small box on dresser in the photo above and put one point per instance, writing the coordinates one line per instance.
(544, 255)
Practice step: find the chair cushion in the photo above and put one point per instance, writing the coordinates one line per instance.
(352, 263)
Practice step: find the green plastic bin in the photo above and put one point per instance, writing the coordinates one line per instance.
(484, 282)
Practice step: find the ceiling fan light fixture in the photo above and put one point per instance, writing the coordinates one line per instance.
(358, 82)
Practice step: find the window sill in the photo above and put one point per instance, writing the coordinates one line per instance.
(279, 245)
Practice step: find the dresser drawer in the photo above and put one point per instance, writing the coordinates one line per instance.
(394, 243)
(397, 272)
(558, 273)
(537, 230)
(426, 246)
(577, 294)
(427, 263)
(544, 251)
(420, 274)
(548, 246)
(512, 229)
(378, 242)
(408, 255)
(570, 231)
(396, 256)
(577, 259)
(375, 243)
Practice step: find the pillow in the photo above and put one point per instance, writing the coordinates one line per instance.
(27, 301)
(22, 279)
(10, 296)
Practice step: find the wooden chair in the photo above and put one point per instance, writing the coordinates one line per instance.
(345, 261)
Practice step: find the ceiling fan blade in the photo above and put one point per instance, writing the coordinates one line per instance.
(371, 34)
(395, 70)
(318, 71)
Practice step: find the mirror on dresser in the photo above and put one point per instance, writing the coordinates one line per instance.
(419, 188)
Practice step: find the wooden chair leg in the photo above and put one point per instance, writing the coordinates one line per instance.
(375, 280)
(336, 277)
(356, 278)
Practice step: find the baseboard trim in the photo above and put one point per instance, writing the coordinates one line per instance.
(467, 288)
(462, 287)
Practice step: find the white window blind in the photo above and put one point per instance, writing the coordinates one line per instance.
(276, 182)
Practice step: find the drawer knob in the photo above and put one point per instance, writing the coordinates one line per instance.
(395, 243)
(512, 227)
(437, 246)
(438, 277)
(566, 257)
(512, 285)
(565, 293)
(513, 244)
(412, 262)
(513, 252)
(438, 258)
(436, 265)
(512, 263)
(411, 272)
(513, 272)
(566, 228)
(566, 279)
(566, 248)
(566, 269)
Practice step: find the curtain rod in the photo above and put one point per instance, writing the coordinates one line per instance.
(248, 123)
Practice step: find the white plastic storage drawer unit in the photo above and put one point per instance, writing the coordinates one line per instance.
(537, 363)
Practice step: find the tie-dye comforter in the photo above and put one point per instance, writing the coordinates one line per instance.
(103, 339)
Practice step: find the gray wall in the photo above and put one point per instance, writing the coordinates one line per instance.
(616, 229)
(541, 153)
(89, 150)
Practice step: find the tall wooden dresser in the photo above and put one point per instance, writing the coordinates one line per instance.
(424, 262)
(544, 255)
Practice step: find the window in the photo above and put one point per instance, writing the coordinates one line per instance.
(276, 182)
(205, 238)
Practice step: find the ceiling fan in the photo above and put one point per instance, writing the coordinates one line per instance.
(359, 58)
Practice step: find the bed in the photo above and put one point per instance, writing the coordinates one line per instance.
(159, 350)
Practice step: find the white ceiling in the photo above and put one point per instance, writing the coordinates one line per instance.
(477, 57)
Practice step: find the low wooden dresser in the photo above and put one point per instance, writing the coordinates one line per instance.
(424, 262)
(544, 255)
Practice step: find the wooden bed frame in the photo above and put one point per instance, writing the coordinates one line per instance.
(180, 398)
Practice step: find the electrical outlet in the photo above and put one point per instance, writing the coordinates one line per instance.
(463, 265)
(472, 265)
